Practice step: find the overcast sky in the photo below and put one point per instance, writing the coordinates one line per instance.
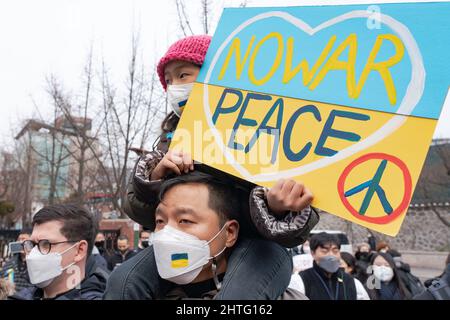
(42, 37)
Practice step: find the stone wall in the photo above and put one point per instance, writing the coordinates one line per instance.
(421, 230)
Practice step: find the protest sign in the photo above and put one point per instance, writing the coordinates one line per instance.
(342, 98)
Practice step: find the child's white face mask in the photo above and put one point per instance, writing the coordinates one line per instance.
(180, 256)
(177, 96)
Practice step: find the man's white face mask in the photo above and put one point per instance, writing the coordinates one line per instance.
(180, 256)
(177, 96)
(44, 268)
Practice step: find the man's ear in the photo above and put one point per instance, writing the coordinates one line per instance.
(82, 251)
(232, 233)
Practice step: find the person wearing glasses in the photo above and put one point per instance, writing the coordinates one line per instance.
(15, 268)
(56, 254)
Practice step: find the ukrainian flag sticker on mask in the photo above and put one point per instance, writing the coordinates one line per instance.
(180, 260)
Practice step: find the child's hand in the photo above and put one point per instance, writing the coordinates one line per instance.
(288, 195)
(174, 161)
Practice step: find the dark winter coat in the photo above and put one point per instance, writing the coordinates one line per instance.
(439, 289)
(119, 258)
(395, 289)
(91, 288)
(318, 286)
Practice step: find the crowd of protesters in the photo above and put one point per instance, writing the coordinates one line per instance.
(64, 258)
(367, 275)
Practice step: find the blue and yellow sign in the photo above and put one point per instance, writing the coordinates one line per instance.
(342, 98)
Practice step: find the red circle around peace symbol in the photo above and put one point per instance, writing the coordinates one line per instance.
(406, 180)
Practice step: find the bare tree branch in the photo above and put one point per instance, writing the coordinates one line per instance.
(205, 14)
(183, 19)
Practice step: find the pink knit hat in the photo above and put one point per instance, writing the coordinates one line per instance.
(192, 49)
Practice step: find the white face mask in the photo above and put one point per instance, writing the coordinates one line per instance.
(150, 240)
(180, 256)
(383, 273)
(44, 268)
(177, 96)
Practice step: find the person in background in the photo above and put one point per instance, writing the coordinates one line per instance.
(303, 259)
(372, 241)
(304, 248)
(362, 255)
(428, 282)
(385, 282)
(122, 254)
(99, 260)
(363, 247)
(301, 249)
(15, 268)
(326, 280)
(437, 288)
(348, 263)
(413, 283)
(100, 243)
(145, 239)
(56, 254)
(383, 247)
(6, 289)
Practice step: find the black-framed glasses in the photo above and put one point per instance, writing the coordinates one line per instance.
(44, 245)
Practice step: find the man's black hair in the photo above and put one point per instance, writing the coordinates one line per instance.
(123, 237)
(78, 223)
(322, 240)
(26, 231)
(142, 231)
(223, 197)
(349, 260)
